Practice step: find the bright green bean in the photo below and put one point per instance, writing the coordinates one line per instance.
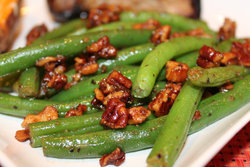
(156, 60)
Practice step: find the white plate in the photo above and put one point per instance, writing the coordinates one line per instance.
(199, 148)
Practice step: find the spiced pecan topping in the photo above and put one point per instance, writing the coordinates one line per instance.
(227, 30)
(103, 14)
(197, 115)
(176, 72)
(86, 65)
(226, 87)
(35, 33)
(150, 24)
(164, 100)
(54, 76)
(102, 48)
(76, 112)
(229, 58)
(48, 113)
(242, 50)
(22, 135)
(161, 34)
(209, 57)
(115, 86)
(116, 158)
(116, 115)
(137, 115)
(198, 32)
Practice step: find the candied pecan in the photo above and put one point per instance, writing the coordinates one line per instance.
(85, 65)
(103, 48)
(229, 58)
(124, 96)
(116, 115)
(117, 79)
(161, 34)
(150, 24)
(53, 80)
(48, 113)
(137, 115)
(176, 72)
(22, 135)
(76, 112)
(103, 14)
(163, 101)
(98, 94)
(209, 57)
(242, 50)
(195, 32)
(116, 158)
(197, 115)
(75, 79)
(226, 87)
(227, 30)
(45, 60)
(35, 33)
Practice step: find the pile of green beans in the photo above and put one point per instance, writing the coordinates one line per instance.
(137, 59)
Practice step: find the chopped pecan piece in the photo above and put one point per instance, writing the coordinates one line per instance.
(242, 50)
(99, 95)
(124, 96)
(103, 14)
(209, 57)
(229, 58)
(103, 48)
(116, 158)
(48, 113)
(164, 100)
(197, 115)
(226, 87)
(115, 115)
(161, 34)
(195, 32)
(227, 30)
(76, 112)
(22, 135)
(150, 24)
(35, 33)
(176, 72)
(137, 115)
(54, 80)
(85, 67)
(117, 79)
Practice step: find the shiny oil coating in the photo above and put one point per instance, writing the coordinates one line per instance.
(26, 57)
(212, 77)
(220, 105)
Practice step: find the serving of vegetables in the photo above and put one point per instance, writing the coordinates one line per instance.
(120, 82)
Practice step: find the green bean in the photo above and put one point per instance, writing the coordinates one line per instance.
(96, 144)
(156, 59)
(220, 105)
(20, 106)
(120, 25)
(62, 30)
(63, 124)
(17, 112)
(174, 131)
(35, 141)
(177, 21)
(26, 57)
(189, 59)
(7, 81)
(212, 77)
(29, 83)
